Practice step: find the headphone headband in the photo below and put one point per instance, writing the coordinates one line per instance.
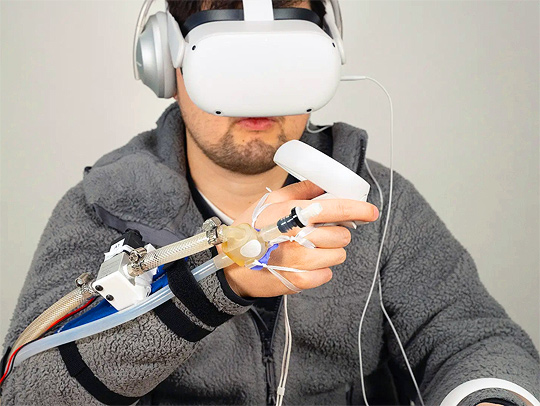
(208, 16)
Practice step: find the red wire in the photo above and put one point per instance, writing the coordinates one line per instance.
(70, 314)
(8, 366)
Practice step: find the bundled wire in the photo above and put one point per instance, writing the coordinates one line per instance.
(9, 365)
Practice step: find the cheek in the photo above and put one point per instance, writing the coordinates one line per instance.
(295, 125)
(197, 120)
(205, 125)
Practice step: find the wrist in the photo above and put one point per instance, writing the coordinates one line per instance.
(232, 294)
(229, 275)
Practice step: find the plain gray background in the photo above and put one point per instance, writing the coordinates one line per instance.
(463, 75)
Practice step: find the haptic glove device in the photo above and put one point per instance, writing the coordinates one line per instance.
(125, 277)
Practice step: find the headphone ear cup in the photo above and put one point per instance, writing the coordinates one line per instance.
(177, 44)
(154, 62)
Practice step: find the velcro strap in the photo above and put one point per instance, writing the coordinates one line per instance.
(187, 289)
(179, 323)
(78, 369)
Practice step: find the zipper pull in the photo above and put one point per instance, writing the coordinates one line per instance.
(268, 361)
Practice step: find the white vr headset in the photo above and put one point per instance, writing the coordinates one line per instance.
(255, 62)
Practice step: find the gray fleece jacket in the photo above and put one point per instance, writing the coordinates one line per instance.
(193, 351)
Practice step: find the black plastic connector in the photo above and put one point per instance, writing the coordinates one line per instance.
(132, 238)
(288, 223)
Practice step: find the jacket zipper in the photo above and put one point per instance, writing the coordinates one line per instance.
(267, 338)
(270, 373)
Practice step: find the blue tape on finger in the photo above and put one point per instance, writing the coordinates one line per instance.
(265, 258)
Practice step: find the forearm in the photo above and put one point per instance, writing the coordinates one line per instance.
(124, 363)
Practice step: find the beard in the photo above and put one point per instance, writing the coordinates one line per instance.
(253, 158)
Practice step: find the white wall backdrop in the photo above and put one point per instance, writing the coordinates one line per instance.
(464, 77)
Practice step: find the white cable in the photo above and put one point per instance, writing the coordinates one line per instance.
(381, 197)
(381, 299)
(274, 271)
(286, 357)
(298, 238)
(376, 276)
(320, 130)
(260, 208)
(272, 268)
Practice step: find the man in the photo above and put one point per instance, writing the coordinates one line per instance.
(195, 163)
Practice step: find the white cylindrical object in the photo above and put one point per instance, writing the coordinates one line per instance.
(311, 211)
(465, 389)
(307, 163)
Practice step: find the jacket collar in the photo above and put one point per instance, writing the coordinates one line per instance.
(143, 184)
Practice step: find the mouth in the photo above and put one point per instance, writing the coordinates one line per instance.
(256, 123)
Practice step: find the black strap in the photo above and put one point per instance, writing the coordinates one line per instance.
(208, 16)
(156, 237)
(78, 369)
(179, 323)
(187, 289)
(5, 360)
(230, 293)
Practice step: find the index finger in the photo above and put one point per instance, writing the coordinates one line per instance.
(340, 210)
(304, 190)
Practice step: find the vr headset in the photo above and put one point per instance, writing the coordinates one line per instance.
(255, 62)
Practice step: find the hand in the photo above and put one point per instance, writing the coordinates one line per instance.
(330, 242)
(496, 404)
(487, 404)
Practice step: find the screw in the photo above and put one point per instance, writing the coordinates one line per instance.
(334, 44)
(99, 288)
(109, 298)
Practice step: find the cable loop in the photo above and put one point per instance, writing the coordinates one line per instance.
(299, 238)
(274, 271)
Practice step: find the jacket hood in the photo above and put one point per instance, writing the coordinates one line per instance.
(132, 186)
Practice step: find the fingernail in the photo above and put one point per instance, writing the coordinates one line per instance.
(375, 213)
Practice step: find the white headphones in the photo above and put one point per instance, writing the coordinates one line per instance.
(255, 62)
